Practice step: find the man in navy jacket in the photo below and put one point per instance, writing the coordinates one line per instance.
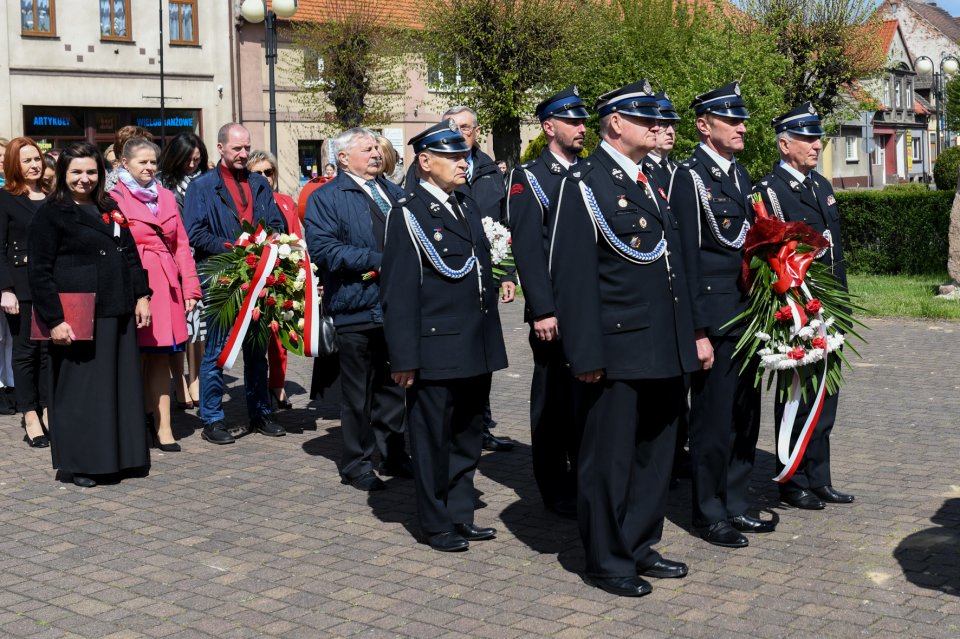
(345, 223)
(213, 209)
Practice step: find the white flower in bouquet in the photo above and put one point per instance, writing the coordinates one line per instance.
(301, 275)
(243, 238)
(298, 285)
(300, 323)
(284, 238)
(297, 305)
(284, 251)
(499, 237)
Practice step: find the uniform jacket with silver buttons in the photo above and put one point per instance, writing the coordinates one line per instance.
(75, 251)
(713, 267)
(442, 327)
(817, 207)
(529, 219)
(16, 211)
(633, 320)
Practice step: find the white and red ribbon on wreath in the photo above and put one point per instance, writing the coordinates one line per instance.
(267, 261)
(791, 458)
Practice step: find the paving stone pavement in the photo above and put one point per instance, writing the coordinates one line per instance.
(260, 539)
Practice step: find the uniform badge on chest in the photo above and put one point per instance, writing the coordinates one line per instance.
(617, 173)
(622, 201)
(434, 207)
(635, 242)
(555, 168)
(437, 235)
(831, 200)
(716, 172)
(643, 222)
(726, 223)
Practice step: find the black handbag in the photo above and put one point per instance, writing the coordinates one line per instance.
(327, 334)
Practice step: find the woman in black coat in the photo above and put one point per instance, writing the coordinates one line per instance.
(20, 198)
(80, 243)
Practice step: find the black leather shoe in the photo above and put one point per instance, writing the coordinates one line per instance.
(265, 425)
(40, 441)
(803, 499)
(403, 469)
(474, 533)
(367, 482)
(748, 524)
(281, 403)
(666, 569)
(831, 496)
(448, 542)
(84, 481)
(723, 534)
(622, 586)
(564, 508)
(217, 433)
(498, 444)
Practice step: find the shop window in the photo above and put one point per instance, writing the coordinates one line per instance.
(183, 22)
(115, 20)
(37, 18)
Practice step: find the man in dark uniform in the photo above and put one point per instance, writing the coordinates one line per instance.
(658, 161)
(795, 192)
(532, 188)
(485, 186)
(623, 307)
(660, 168)
(443, 333)
(710, 194)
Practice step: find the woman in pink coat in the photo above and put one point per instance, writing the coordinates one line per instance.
(165, 254)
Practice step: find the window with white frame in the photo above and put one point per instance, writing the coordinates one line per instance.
(312, 67)
(917, 149)
(898, 95)
(443, 74)
(850, 145)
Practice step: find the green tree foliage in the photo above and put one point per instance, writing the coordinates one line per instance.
(827, 44)
(353, 61)
(895, 231)
(507, 52)
(686, 48)
(951, 101)
(946, 169)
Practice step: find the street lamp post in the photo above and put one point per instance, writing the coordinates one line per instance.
(257, 11)
(949, 65)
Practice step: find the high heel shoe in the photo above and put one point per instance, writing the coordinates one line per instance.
(187, 405)
(40, 441)
(282, 403)
(155, 439)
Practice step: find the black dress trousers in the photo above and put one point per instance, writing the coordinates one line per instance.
(445, 422)
(555, 436)
(626, 456)
(724, 428)
(30, 360)
(371, 412)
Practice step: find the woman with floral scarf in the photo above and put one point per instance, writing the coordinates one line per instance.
(165, 254)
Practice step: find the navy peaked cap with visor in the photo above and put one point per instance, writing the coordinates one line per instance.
(566, 104)
(667, 112)
(634, 99)
(443, 137)
(802, 120)
(725, 101)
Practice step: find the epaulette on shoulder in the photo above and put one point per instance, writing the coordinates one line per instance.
(527, 165)
(689, 162)
(402, 201)
(764, 183)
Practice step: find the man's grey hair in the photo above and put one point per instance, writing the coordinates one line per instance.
(452, 111)
(345, 141)
(224, 133)
(604, 124)
(785, 135)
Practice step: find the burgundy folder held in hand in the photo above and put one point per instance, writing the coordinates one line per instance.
(78, 312)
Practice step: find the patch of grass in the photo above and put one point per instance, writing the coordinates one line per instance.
(903, 296)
